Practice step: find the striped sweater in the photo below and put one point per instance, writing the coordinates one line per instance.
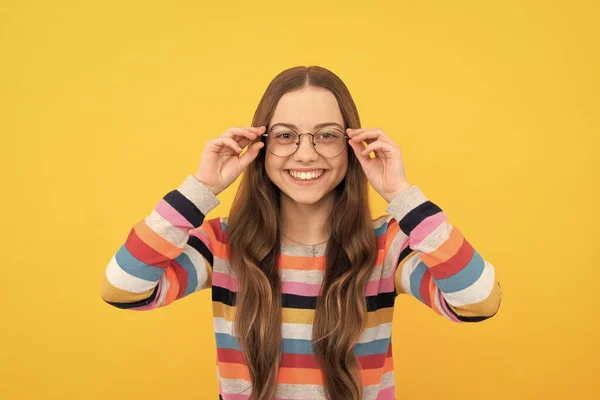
(174, 252)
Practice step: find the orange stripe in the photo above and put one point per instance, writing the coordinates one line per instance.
(432, 290)
(447, 250)
(302, 263)
(173, 287)
(389, 365)
(233, 371)
(300, 376)
(380, 256)
(218, 249)
(392, 230)
(155, 241)
(373, 376)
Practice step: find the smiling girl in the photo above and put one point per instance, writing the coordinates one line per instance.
(303, 278)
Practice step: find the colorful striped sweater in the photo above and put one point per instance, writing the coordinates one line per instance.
(174, 252)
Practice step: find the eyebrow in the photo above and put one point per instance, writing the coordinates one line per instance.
(317, 126)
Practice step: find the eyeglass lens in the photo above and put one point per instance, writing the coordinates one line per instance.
(328, 142)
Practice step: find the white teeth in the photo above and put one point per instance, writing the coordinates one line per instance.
(306, 175)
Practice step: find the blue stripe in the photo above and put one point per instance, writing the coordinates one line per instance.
(135, 267)
(465, 277)
(416, 277)
(379, 346)
(225, 341)
(297, 346)
(192, 280)
(301, 346)
(381, 230)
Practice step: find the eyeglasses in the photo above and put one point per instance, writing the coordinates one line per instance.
(327, 142)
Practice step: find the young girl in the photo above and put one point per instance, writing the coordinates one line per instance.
(303, 279)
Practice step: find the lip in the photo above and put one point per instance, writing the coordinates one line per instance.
(307, 182)
(305, 169)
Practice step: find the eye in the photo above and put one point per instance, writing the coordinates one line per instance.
(284, 136)
(328, 135)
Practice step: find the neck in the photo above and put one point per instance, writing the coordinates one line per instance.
(306, 223)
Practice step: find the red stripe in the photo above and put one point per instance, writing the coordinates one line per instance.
(381, 241)
(230, 356)
(455, 263)
(182, 278)
(215, 224)
(146, 254)
(372, 361)
(424, 288)
(299, 361)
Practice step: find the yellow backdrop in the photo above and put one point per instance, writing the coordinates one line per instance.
(106, 106)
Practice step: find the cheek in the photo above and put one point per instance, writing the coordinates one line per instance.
(341, 167)
(272, 166)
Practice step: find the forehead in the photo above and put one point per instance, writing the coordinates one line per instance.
(306, 108)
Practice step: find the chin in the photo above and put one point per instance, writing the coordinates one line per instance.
(307, 198)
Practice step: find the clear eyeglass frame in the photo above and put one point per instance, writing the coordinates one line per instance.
(312, 142)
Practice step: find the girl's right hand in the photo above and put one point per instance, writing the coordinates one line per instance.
(220, 164)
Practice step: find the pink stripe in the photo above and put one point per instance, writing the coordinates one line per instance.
(380, 286)
(167, 211)
(227, 396)
(231, 396)
(387, 393)
(302, 289)
(425, 228)
(224, 281)
(152, 305)
(445, 307)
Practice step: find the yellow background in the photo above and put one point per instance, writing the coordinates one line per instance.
(106, 106)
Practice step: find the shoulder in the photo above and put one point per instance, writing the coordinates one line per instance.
(381, 223)
(215, 228)
(387, 230)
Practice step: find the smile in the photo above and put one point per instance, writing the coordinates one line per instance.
(306, 177)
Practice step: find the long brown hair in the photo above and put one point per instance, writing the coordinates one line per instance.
(341, 313)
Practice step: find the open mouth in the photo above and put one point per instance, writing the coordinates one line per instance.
(306, 177)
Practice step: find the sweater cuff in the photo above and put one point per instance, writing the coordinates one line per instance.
(198, 194)
(406, 201)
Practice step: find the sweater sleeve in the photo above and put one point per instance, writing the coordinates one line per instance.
(436, 264)
(167, 255)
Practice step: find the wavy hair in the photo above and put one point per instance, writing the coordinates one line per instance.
(341, 312)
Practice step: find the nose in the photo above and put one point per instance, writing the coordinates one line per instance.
(305, 150)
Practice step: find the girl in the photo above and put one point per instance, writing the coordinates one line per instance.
(303, 279)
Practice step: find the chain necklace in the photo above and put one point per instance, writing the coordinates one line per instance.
(312, 246)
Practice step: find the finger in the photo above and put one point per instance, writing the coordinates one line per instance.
(369, 136)
(356, 131)
(227, 142)
(248, 156)
(239, 133)
(358, 147)
(386, 149)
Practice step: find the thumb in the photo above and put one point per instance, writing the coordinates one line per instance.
(248, 156)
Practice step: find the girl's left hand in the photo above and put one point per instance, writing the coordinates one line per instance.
(386, 170)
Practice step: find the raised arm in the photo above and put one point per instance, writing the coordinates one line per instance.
(436, 264)
(167, 255)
